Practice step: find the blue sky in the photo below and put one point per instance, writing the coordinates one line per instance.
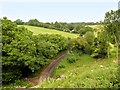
(57, 11)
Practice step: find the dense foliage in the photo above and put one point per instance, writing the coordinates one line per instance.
(112, 27)
(23, 53)
(19, 22)
(89, 44)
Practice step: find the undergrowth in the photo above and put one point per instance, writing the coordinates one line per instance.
(84, 72)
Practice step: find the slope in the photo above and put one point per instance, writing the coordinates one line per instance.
(40, 30)
(86, 72)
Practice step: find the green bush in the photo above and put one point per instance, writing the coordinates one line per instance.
(72, 58)
(17, 83)
(22, 83)
(10, 75)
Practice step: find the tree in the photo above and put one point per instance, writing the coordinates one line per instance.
(100, 45)
(4, 17)
(22, 52)
(33, 22)
(89, 37)
(70, 26)
(19, 22)
(77, 44)
(48, 49)
(84, 29)
(18, 52)
(112, 27)
(57, 25)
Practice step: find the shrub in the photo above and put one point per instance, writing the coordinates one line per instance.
(72, 58)
(10, 75)
(22, 83)
(17, 83)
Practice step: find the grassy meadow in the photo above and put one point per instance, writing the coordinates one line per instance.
(86, 72)
(98, 27)
(40, 30)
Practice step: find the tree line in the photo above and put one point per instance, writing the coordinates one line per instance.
(62, 26)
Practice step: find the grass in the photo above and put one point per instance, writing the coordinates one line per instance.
(17, 84)
(86, 72)
(98, 27)
(83, 60)
(40, 30)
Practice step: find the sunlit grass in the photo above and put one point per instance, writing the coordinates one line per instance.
(84, 73)
(96, 26)
(40, 30)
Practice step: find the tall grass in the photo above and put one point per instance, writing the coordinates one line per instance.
(85, 72)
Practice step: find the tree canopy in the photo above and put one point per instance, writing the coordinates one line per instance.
(24, 52)
(112, 27)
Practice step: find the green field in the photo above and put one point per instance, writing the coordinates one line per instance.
(96, 26)
(86, 72)
(40, 30)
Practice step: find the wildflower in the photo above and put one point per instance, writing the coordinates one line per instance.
(58, 79)
(91, 70)
(101, 66)
(62, 76)
(115, 61)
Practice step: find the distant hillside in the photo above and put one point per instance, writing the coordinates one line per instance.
(40, 30)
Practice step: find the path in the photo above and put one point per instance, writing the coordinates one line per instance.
(47, 72)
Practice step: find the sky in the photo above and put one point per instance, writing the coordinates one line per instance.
(57, 10)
